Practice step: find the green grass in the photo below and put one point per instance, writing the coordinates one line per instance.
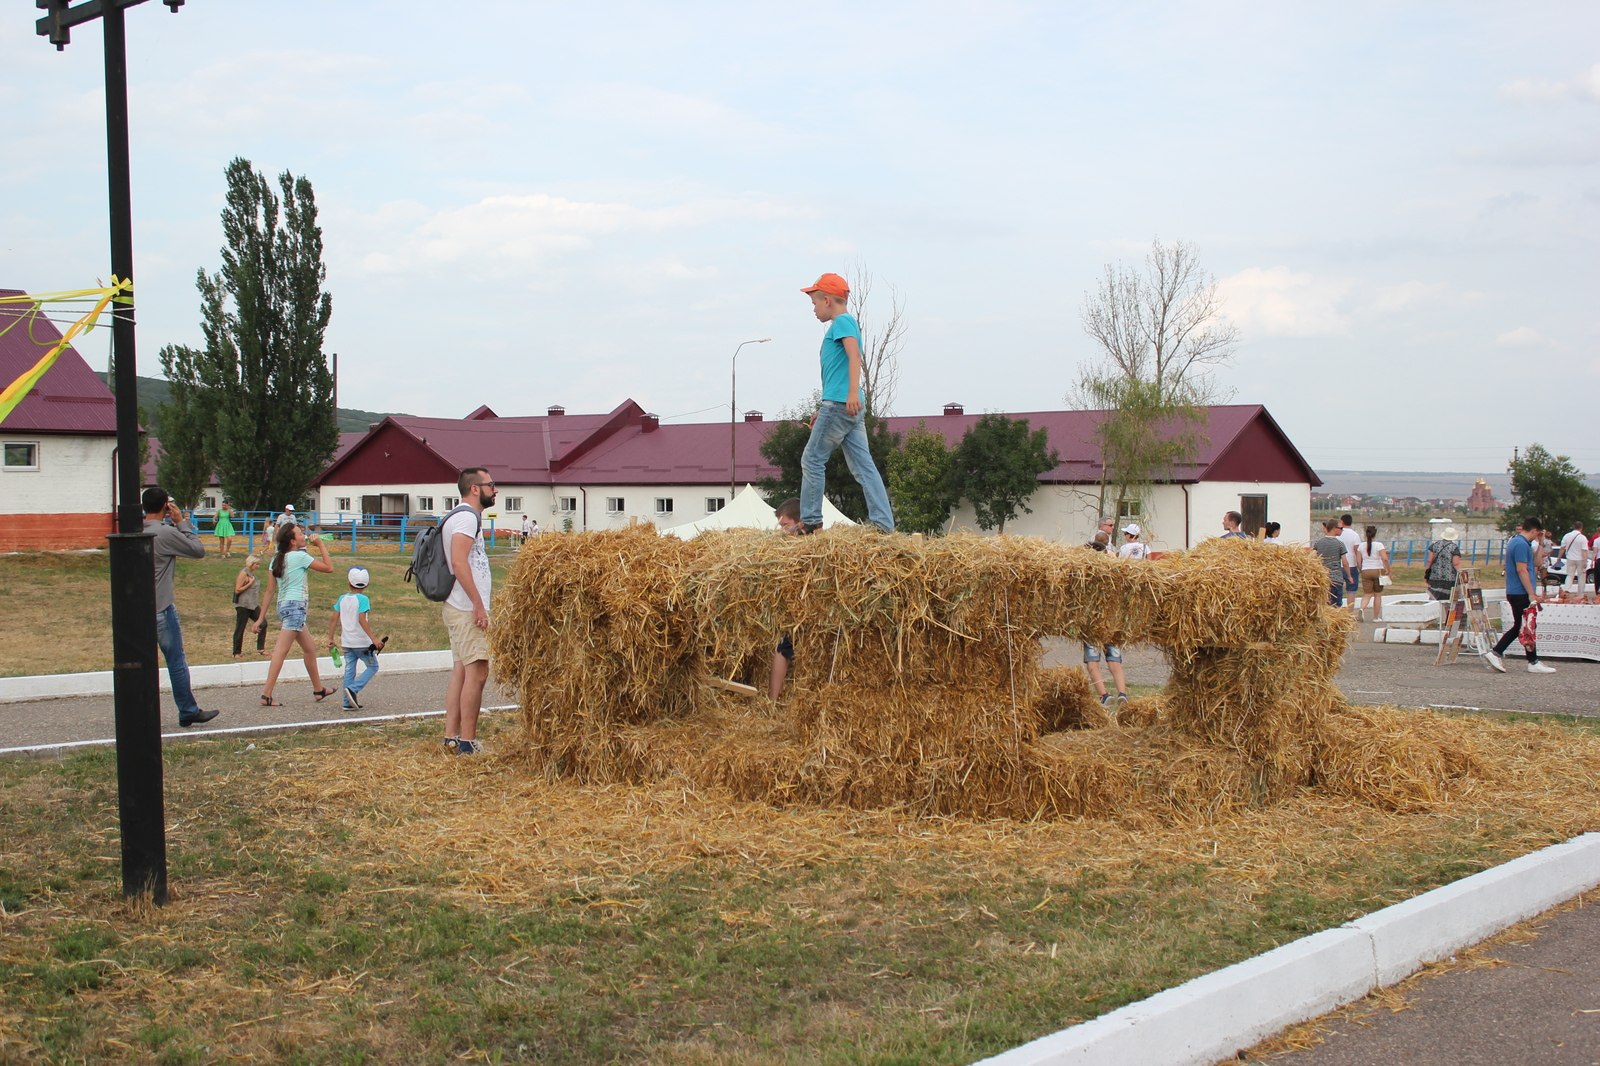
(58, 610)
(351, 896)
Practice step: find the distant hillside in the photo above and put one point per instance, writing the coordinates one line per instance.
(1422, 483)
(154, 392)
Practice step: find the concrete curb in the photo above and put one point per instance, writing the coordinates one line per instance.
(218, 675)
(1216, 1016)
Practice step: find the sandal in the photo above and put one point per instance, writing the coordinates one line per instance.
(268, 701)
(323, 693)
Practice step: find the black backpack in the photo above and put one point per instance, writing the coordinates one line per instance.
(430, 558)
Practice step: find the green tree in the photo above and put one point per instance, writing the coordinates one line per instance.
(1144, 434)
(187, 428)
(263, 380)
(787, 441)
(996, 467)
(919, 481)
(1549, 488)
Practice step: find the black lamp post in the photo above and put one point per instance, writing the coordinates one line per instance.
(137, 697)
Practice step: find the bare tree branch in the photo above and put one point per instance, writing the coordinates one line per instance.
(880, 344)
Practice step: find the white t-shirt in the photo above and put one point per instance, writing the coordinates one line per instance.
(1370, 559)
(527, 525)
(463, 522)
(1574, 545)
(1351, 538)
(1133, 550)
(351, 606)
(1272, 540)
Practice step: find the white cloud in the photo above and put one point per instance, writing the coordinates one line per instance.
(1522, 337)
(1585, 86)
(1410, 294)
(1281, 302)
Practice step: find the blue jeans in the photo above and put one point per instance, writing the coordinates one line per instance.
(832, 429)
(169, 635)
(368, 658)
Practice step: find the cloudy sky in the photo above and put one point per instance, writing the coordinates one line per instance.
(526, 204)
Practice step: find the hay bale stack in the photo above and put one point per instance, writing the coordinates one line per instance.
(917, 680)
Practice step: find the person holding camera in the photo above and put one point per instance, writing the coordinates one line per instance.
(289, 575)
(175, 538)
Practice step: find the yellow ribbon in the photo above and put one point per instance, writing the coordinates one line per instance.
(19, 388)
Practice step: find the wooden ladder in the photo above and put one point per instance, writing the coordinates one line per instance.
(1466, 614)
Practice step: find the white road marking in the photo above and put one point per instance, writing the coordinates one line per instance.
(188, 735)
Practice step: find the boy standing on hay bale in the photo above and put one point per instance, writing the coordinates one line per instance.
(788, 515)
(466, 611)
(840, 420)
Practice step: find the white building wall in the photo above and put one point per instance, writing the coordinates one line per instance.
(1069, 513)
(74, 476)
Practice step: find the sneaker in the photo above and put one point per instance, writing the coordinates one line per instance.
(452, 745)
(1494, 662)
(468, 747)
(1540, 668)
(1122, 698)
(351, 703)
(206, 716)
(1105, 699)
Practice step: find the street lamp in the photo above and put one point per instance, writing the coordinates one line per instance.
(733, 412)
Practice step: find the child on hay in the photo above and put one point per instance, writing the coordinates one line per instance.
(1110, 653)
(788, 515)
(840, 419)
(351, 626)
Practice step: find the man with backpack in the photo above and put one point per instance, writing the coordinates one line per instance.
(466, 610)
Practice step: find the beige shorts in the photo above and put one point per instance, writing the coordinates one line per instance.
(468, 643)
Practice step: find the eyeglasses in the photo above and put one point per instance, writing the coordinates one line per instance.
(486, 484)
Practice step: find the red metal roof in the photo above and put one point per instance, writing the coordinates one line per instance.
(1244, 444)
(69, 398)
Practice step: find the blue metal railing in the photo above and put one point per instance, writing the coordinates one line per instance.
(1488, 552)
(336, 527)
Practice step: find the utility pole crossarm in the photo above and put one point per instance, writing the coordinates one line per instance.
(57, 24)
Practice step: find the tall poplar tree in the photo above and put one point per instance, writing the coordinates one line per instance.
(263, 381)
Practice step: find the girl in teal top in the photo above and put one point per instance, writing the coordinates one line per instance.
(288, 575)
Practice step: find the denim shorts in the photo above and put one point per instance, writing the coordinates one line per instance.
(292, 615)
(1091, 654)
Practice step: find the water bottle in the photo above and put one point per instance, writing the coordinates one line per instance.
(334, 652)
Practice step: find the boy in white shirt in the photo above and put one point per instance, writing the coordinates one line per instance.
(1132, 548)
(351, 628)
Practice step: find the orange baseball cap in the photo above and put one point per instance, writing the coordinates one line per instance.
(832, 284)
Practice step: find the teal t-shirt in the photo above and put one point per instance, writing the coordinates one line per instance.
(835, 362)
(292, 585)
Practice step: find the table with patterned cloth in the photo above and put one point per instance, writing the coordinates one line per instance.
(1566, 630)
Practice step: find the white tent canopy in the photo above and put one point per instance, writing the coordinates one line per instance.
(749, 510)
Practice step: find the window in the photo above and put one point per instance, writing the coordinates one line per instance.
(341, 503)
(715, 504)
(615, 505)
(450, 502)
(514, 503)
(1128, 509)
(663, 505)
(424, 503)
(21, 456)
(209, 503)
(567, 504)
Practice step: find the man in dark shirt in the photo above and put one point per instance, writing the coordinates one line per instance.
(1330, 549)
(172, 542)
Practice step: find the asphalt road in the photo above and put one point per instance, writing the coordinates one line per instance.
(1540, 1006)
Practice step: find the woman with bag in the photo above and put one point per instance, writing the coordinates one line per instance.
(1444, 557)
(247, 606)
(1373, 557)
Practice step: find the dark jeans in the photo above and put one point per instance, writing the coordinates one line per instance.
(1336, 592)
(169, 636)
(1519, 603)
(242, 617)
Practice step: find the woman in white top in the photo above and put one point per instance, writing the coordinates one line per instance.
(1374, 560)
(1269, 533)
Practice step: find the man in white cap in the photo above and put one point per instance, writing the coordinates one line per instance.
(1132, 547)
(286, 518)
